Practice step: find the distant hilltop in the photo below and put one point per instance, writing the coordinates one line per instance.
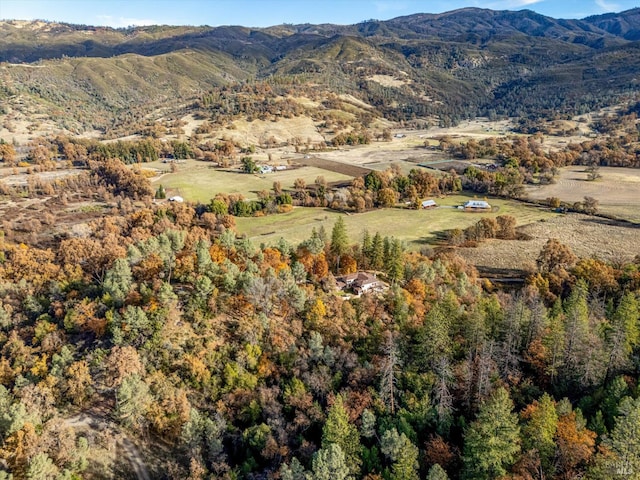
(437, 67)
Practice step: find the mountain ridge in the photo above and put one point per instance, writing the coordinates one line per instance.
(457, 64)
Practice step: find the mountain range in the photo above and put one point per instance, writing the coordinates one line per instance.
(442, 67)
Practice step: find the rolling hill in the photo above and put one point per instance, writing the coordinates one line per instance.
(442, 67)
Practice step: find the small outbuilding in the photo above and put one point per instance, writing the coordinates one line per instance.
(476, 206)
(429, 204)
(177, 199)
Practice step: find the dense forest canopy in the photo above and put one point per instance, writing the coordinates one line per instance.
(248, 363)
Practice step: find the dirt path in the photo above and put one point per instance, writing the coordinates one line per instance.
(131, 451)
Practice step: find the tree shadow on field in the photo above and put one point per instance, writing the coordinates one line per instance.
(610, 222)
(441, 237)
(506, 275)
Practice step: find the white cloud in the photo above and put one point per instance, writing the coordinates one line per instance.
(607, 6)
(519, 3)
(123, 22)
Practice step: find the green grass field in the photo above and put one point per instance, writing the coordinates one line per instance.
(416, 227)
(197, 182)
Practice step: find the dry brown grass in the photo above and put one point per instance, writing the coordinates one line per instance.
(587, 236)
(617, 191)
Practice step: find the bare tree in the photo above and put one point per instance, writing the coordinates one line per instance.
(390, 365)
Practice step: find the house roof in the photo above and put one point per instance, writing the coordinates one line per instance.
(359, 282)
(477, 204)
(357, 278)
(429, 203)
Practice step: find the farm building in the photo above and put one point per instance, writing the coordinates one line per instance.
(429, 204)
(476, 205)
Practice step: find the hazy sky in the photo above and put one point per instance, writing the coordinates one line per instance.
(262, 13)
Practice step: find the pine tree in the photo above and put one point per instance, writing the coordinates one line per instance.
(366, 250)
(576, 331)
(394, 261)
(436, 472)
(161, 193)
(377, 252)
(41, 467)
(492, 441)
(433, 337)
(132, 401)
(293, 471)
(118, 280)
(553, 341)
(339, 241)
(539, 431)
(624, 333)
(403, 453)
(330, 463)
(625, 441)
(340, 431)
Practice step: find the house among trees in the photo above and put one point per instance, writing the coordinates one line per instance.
(360, 282)
(476, 206)
(429, 204)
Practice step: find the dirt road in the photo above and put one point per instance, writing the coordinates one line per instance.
(131, 451)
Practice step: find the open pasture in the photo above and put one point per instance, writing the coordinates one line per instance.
(617, 191)
(199, 182)
(587, 236)
(416, 227)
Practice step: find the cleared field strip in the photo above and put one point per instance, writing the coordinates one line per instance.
(334, 166)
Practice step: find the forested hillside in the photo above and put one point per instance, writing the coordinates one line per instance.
(229, 360)
(441, 68)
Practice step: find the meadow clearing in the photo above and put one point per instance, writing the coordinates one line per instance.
(199, 182)
(416, 227)
(617, 190)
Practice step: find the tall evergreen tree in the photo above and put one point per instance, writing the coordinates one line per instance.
(330, 463)
(339, 241)
(393, 260)
(340, 431)
(403, 453)
(377, 252)
(539, 431)
(436, 472)
(132, 401)
(625, 441)
(623, 333)
(576, 331)
(492, 441)
(366, 250)
(118, 280)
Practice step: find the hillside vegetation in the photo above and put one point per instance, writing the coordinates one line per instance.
(440, 68)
